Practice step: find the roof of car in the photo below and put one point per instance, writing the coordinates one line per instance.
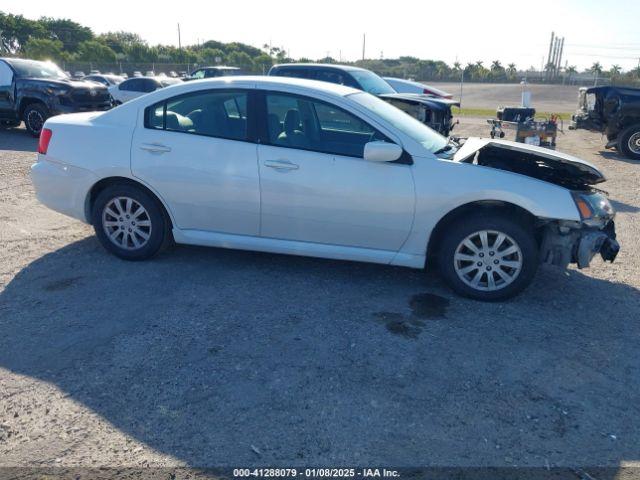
(262, 81)
(217, 67)
(144, 77)
(320, 65)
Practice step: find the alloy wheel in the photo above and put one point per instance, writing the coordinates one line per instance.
(488, 260)
(634, 143)
(35, 120)
(126, 223)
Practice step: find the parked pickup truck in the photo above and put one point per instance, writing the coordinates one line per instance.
(32, 91)
(613, 111)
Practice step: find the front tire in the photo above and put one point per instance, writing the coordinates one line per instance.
(129, 222)
(629, 142)
(34, 117)
(488, 257)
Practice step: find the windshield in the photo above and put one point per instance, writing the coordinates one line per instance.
(428, 138)
(371, 83)
(35, 69)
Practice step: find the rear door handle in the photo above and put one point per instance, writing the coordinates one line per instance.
(281, 165)
(155, 148)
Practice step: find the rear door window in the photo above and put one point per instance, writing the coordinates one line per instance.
(331, 76)
(148, 85)
(213, 113)
(293, 73)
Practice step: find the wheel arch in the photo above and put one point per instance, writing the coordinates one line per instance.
(511, 210)
(29, 100)
(103, 183)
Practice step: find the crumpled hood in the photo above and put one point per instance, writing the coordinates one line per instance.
(74, 84)
(572, 168)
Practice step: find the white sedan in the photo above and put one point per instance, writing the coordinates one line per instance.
(311, 168)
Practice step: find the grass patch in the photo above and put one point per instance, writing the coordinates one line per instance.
(489, 113)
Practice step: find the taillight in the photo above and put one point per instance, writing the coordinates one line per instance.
(45, 138)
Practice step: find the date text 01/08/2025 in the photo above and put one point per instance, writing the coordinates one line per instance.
(315, 473)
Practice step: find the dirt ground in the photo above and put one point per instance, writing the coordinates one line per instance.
(545, 98)
(211, 357)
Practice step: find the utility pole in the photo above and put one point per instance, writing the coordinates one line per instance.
(364, 43)
(179, 40)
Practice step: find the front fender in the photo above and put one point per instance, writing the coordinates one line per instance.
(443, 186)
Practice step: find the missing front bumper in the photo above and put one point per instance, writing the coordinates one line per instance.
(563, 244)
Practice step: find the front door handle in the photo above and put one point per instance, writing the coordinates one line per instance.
(281, 165)
(155, 148)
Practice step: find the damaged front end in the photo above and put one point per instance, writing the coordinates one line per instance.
(432, 111)
(562, 241)
(608, 110)
(573, 242)
(566, 242)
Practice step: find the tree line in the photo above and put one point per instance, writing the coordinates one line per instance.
(66, 41)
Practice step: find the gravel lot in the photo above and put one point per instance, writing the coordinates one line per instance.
(546, 98)
(207, 357)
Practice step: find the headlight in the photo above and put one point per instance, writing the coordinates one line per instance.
(58, 90)
(594, 207)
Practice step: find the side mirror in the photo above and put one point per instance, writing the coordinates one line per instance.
(382, 151)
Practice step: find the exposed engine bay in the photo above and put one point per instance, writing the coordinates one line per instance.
(550, 166)
(533, 165)
(561, 242)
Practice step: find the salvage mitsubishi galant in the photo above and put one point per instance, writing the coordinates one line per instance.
(312, 168)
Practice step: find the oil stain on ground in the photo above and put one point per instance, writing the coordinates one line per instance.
(424, 306)
(61, 284)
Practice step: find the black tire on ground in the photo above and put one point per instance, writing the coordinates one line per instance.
(521, 235)
(123, 228)
(629, 142)
(34, 117)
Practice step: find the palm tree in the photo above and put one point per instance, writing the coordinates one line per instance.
(614, 72)
(596, 69)
(457, 66)
(512, 69)
(442, 70)
(496, 65)
(571, 71)
(479, 70)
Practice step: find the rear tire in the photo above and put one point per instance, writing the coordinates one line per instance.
(129, 222)
(34, 117)
(629, 142)
(488, 257)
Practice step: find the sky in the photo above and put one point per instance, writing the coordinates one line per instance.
(464, 30)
